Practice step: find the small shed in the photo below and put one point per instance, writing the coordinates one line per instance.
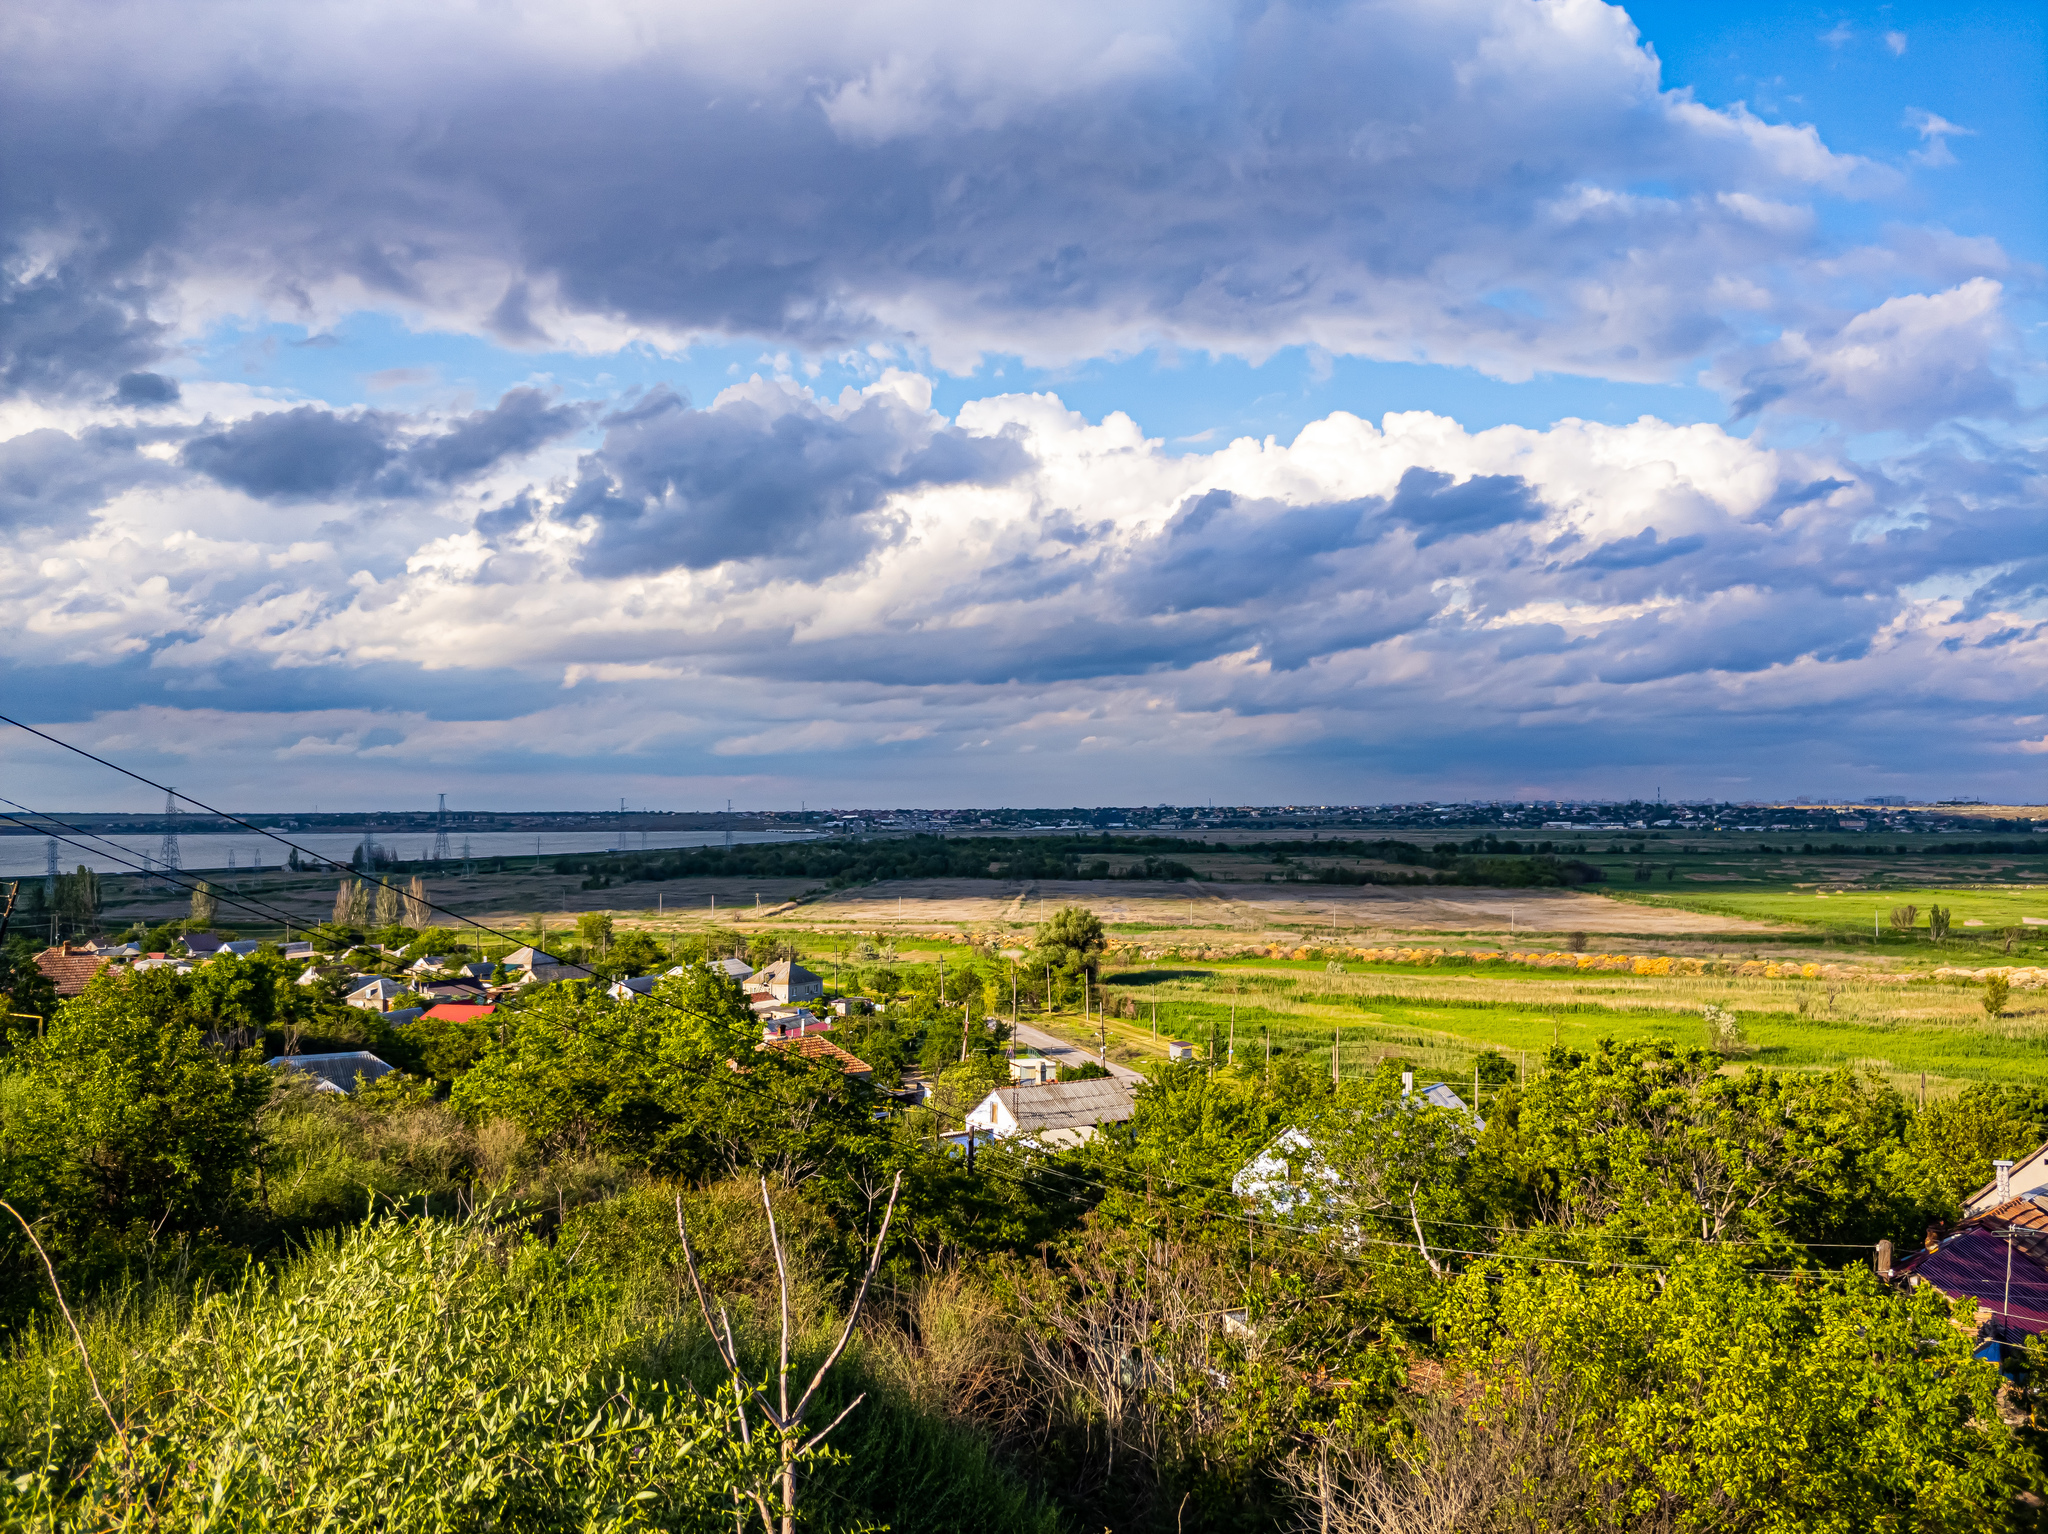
(1179, 1049)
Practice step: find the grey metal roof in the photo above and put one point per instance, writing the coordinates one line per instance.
(337, 1072)
(1066, 1104)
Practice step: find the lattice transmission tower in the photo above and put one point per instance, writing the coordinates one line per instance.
(168, 858)
(441, 832)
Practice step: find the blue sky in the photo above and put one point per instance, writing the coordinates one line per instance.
(908, 404)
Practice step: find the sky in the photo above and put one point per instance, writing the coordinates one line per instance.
(1106, 403)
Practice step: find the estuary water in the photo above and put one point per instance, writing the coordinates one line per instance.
(28, 856)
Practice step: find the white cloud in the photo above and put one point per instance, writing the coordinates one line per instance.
(1364, 592)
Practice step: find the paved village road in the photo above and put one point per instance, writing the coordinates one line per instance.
(1070, 1054)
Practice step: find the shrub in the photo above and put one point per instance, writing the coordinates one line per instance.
(1997, 991)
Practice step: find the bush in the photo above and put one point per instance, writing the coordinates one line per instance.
(1997, 992)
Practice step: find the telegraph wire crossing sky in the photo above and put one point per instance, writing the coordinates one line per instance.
(1105, 404)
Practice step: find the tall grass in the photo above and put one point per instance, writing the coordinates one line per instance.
(440, 1375)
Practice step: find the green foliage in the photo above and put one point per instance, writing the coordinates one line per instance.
(1645, 1143)
(410, 1379)
(1947, 1150)
(1072, 941)
(1708, 1398)
(123, 1117)
(1997, 992)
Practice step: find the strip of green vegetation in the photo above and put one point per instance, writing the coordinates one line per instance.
(1445, 1035)
(1862, 911)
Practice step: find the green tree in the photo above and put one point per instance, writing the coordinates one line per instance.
(204, 906)
(1997, 992)
(1649, 1143)
(123, 1115)
(1706, 1398)
(1072, 941)
(594, 932)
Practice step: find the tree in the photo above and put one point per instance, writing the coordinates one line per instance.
(1703, 1397)
(417, 912)
(1937, 923)
(594, 932)
(78, 900)
(1997, 992)
(126, 1117)
(1655, 1146)
(1903, 917)
(1073, 940)
(389, 904)
(204, 906)
(777, 1506)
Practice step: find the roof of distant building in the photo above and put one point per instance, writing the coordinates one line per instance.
(336, 1072)
(815, 1046)
(69, 968)
(2003, 1278)
(786, 972)
(458, 1012)
(1066, 1104)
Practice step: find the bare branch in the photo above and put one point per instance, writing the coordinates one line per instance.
(819, 1437)
(860, 1298)
(782, 1278)
(724, 1346)
(1419, 1241)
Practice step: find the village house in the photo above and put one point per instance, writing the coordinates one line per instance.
(816, 1047)
(69, 967)
(784, 984)
(376, 995)
(1058, 1115)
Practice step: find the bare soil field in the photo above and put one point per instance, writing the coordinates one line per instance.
(1181, 911)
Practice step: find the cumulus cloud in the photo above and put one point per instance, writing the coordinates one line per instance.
(768, 473)
(1459, 182)
(1909, 363)
(1049, 589)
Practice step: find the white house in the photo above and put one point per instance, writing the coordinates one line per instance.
(1057, 1115)
(631, 989)
(528, 958)
(1291, 1171)
(375, 996)
(2025, 1178)
(786, 983)
(427, 964)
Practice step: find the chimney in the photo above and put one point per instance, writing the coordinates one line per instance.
(1884, 1259)
(2004, 1171)
(1407, 1084)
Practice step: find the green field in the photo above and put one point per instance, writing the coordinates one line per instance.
(1836, 908)
(1437, 1022)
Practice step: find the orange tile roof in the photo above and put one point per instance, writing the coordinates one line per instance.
(2023, 1212)
(69, 969)
(457, 1012)
(815, 1046)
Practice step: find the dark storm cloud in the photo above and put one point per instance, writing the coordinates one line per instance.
(146, 389)
(769, 476)
(1397, 180)
(313, 453)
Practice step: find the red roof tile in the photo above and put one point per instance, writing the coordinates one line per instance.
(815, 1046)
(70, 969)
(457, 1012)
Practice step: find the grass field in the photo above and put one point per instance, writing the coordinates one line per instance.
(1437, 1022)
(1839, 908)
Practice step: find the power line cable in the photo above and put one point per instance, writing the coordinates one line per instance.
(317, 857)
(224, 899)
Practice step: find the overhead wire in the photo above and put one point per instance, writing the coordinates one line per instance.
(513, 938)
(224, 898)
